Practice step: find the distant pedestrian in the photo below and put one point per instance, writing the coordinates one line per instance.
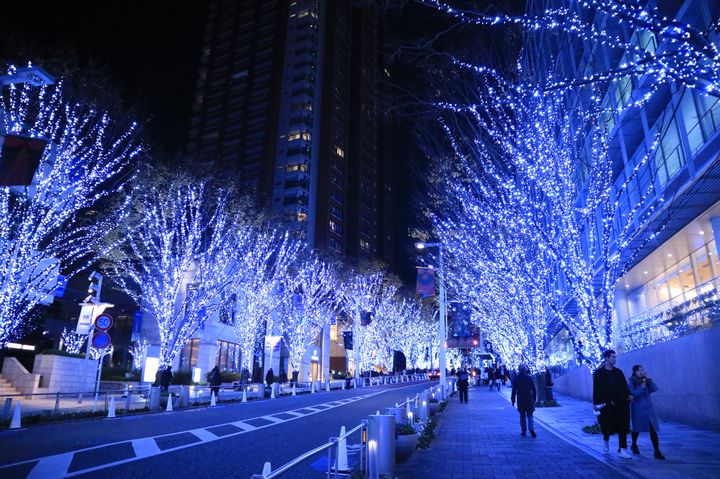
(270, 377)
(463, 384)
(491, 376)
(548, 385)
(498, 378)
(641, 386)
(523, 390)
(484, 376)
(503, 374)
(166, 378)
(612, 397)
(283, 376)
(215, 381)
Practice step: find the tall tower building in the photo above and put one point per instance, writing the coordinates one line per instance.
(290, 105)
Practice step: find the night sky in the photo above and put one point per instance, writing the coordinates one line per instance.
(140, 59)
(145, 52)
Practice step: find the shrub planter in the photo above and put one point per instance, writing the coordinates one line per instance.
(405, 444)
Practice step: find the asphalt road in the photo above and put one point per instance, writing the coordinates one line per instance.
(233, 439)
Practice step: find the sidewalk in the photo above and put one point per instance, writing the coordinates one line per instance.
(482, 440)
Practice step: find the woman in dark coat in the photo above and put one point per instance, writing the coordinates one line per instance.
(642, 410)
(523, 389)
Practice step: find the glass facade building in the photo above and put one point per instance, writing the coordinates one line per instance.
(670, 288)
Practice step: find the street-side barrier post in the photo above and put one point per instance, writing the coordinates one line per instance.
(381, 444)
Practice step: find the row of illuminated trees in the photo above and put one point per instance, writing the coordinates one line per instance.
(178, 246)
(527, 192)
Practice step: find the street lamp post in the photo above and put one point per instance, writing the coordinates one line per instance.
(443, 312)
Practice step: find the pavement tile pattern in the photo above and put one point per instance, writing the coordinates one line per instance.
(482, 439)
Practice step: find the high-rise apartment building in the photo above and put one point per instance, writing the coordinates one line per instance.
(289, 106)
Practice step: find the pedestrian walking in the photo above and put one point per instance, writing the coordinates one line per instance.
(166, 378)
(215, 381)
(270, 377)
(642, 410)
(611, 397)
(491, 377)
(463, 384)
(283, 376)
(498, 378)
(548, 385)
(523, 391)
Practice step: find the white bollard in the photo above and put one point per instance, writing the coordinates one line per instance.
(327, 386)
(267, 469)
(127, 390)
(354, 383)
(272, 391)
(111, 407)
(342, 386)
(244, 399)
(212, 399)
(169, 403)
(293, 393)
(16, 419)
(341, 462)
(312, 387)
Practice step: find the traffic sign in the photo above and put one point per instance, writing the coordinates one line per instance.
(103, 322)
(101, 340)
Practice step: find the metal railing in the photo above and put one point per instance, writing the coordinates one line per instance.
(413, 405)
(333, 443)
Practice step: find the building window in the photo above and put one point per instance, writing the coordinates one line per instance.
(335, 227)
(339, 152)
(301, 216)
(670, 157)
(691, 120)
(299, 135)
(365, 245)
(228, 356)
(189, 355)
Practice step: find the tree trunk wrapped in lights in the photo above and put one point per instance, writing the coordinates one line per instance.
(311, 306)
(177, 259)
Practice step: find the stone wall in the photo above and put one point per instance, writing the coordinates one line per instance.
(686, 370)
(65, 374)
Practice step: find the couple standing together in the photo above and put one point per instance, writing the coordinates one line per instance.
(614, 399)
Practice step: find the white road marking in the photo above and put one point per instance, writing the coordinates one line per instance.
(145, 447)
(204, 435)
(274, 419)
(52, 466)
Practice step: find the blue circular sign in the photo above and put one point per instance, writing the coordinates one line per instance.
(101, 340)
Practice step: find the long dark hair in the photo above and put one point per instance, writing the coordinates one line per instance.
(636, 380)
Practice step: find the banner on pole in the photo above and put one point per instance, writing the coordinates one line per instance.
(425, 284)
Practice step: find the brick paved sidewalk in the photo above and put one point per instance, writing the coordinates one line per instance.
(482, 440)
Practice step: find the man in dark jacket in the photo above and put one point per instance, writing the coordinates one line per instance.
(215, 381)
(270, 377)
(611, 397)
(462, 384)
(523, 389)
(166, 378)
